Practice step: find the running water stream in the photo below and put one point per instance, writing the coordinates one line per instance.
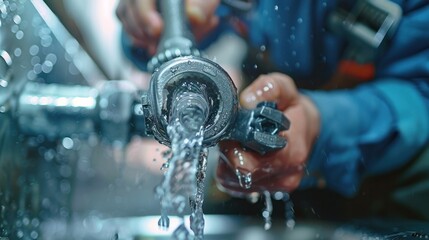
(186, 169)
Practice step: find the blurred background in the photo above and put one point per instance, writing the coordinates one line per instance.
(121, 179)
(58, 164)
(72, 162)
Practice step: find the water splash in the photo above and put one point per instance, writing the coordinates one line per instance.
(196, 203)
(181, 232)
(266, 214)
(239, 155)
(244, 178)
(164, 220)
(180, 178)
(289, 211)
(186, 168)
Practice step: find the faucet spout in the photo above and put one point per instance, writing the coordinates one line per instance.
(179, 63)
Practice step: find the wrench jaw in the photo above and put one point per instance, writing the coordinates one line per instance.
(257, 129)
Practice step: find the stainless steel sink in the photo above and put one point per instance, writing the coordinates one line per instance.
(238, 228)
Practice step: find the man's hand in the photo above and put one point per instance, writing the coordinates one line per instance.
(281, 170)
(143, 22)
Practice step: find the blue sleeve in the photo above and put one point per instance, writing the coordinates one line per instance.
(378, 126)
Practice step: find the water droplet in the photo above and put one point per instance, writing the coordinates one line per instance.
(3, 83)
(262, 48)
(37, 68)
(52, 58)
(47, 67)
(17, 52)
(13, 6)
(34, 50)
(14, 28)
(289, 211)
(35, 222)
(244, 179)
(31, 75)
(181, 232)
(253, 197)
(164, 222)
(35, 60)
(46, 41)
(278, 195)
(292, 37)
(20, 234)
(266, 214)
(67, 143)
(165, 166)
(299, 20)
(239, 155)
(174, 69)
(276, 8)
(17, 19)
(34, 235)
(255, 66)
(290, 224)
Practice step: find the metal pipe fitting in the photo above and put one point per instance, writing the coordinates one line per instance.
(218, 89)
(57, 111)
(177, 40)
(177, 65)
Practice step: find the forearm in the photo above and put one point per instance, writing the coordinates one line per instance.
(369, 130)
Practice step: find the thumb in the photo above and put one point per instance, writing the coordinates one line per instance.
(274, 87)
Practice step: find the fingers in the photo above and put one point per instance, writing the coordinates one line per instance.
(234, 154)
(149, 18)
(200, 11)
(246, 172)
(141, 21)
(229, 181)
(202, 17)
(275, 87)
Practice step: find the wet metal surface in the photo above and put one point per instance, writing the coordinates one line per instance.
(241, 228)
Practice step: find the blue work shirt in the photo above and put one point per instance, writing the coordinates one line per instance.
(371, 129)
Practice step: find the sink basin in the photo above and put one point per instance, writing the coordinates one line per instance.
(237, 228)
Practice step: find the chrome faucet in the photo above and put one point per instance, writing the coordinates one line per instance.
(179, 64)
